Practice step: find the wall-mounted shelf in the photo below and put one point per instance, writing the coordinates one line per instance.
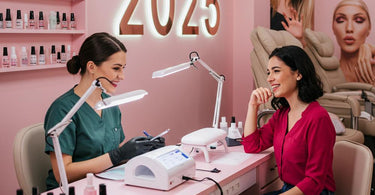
(33, 67)
(39, 31)
(19, 38)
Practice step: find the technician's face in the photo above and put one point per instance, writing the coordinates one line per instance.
(112, 69)
(351, 27)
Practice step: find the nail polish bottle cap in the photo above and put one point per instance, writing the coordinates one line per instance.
(23, 49)
(53, 50)
(5, 51)
(62, 48)
(1, 17)
(25, 17)
(19, 192)
(58, 55)
(40, 15)
(31, 15)
(64, 17)
(233, 119)
(32, 50)
(41, 50)
(18, 14)
(72, 17)
(34, 191)
(72, 190)
(57, 17)
(8, 17)
(102, 189)
(13, 51)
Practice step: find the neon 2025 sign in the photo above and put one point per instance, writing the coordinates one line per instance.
(183, 27)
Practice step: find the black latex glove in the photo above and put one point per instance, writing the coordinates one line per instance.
(134, 147)
(156, 143)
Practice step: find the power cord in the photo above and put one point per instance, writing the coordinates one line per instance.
(206, 178)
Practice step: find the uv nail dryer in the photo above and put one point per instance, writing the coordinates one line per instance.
(161, 169)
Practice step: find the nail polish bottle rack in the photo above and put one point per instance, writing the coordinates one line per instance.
(42, 37)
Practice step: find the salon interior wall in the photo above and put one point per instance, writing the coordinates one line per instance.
(323, 20)
(182, 102)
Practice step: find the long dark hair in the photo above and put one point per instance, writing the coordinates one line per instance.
(97, 48)
(310, 88)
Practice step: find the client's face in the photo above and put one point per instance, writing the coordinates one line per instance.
(112, 69)
(282, 79)
(351, 27)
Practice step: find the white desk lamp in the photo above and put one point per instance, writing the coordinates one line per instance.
(203, 137)
(55, 131)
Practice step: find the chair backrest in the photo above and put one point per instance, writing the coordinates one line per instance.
(30, 161)
(321, 49)
(352, 168)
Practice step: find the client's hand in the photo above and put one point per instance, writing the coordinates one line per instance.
(132, 148)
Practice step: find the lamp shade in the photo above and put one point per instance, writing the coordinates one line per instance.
(121, 99)
(171, 70)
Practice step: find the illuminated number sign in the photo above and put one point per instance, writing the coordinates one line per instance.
(138, 29)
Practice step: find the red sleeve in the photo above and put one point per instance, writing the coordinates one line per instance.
(321, 139)
(262, 138)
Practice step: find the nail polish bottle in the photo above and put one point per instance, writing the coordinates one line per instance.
(58, 23)
(33, 56)
(24, 58)
(25, 21)
(63, 54)
(73, 24)
(64, 22)
(89, 189)
(42, 57)
(41, 20)
(58, 60)
(13, 57)
(53, 57)
(1, 21)
(5, 58)
(19, 22)
(31, 20)
(8, 19)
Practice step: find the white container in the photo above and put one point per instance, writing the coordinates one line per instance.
(24, 58)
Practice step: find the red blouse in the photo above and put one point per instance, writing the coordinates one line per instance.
(303, 155)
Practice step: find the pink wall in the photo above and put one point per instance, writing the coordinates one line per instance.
(323, 20)
(182, 102)
(247, 15)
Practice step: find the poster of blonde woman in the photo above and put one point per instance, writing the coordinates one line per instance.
(351, 26)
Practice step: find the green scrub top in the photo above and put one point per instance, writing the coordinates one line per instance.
(88, 135)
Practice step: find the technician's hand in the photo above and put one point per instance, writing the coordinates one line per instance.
(260, 96)
(134, 147)
(294, 25)
(366, 64)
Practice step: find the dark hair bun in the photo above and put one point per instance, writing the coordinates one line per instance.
(73, 65)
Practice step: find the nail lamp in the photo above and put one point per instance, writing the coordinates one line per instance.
(201, 138)
(55, 131)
